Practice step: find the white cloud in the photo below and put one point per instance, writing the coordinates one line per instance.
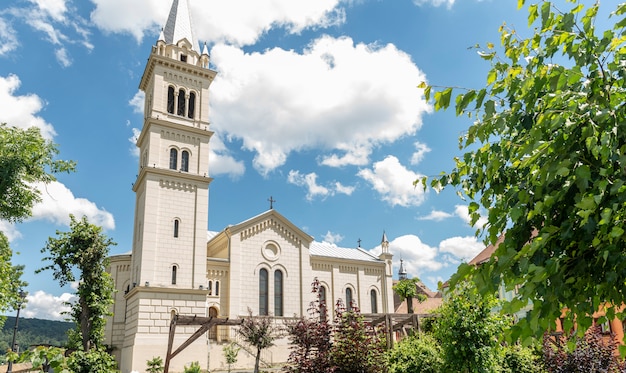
(282, 101)
(54, 8)
(61, 24)
(8, 37)
(447, 3)
(309, 181)
(344, 189)
(332, 238)
(42, 305)
(462, 211)
(137, 102)
(221, 162)
(24, 108)
(134, 150)
(222, 21)
(436, 215)
(465, 248)
(58, 202)
(63, 57)
(9, 230)
(420, 152)
(394, 182)
(418, 257)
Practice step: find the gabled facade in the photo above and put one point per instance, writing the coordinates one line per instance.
(265, 264)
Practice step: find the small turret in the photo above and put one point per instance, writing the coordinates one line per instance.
(402, 275)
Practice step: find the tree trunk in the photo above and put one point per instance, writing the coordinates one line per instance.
(409, 304)
(258, 359)
(84, 326)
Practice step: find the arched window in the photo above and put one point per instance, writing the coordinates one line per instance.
(217, 288)
(263, 290)
(192, 104)
(323, 305)
(176, 226)
(181, 102)
(374, 302)
(213, 330)
(184, 161)
(173, 158)
(210, 287)
(278, 293)
(170, 100)
(348, 299)
(174, 270)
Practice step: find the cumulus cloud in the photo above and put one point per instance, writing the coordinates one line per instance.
(394, 182)
(447, 3)
(309, 181)
(436, 215)
(9, 230)
(222, 162)
(332, 238)
(137, 102)
(134, 150)
(8, 37)
(465, 248)
(223, 21)
(58, 202)
(24, 108)
(261, 98)
(42, 305)
(418, 257)
(462, 211)
(420, 152)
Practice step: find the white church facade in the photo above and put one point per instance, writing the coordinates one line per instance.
(265, 264)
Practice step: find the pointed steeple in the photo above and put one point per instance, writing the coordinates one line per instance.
(179, 25)
(402, 272)
(384, 243)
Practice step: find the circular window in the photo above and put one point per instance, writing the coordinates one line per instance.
(271, 251)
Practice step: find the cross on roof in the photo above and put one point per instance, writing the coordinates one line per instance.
(271, 201)
(359, 241)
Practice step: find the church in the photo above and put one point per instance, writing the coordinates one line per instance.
(264, 264)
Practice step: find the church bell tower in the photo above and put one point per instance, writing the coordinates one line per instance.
(168, 262)
(171, 212)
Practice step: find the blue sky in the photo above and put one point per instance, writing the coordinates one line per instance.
(315, 104)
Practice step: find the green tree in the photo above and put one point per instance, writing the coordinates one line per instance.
(11, 283)
(545, 158)
(468, 330)
(85, 249)
(25, 159)
(407, 289)
(230, 354)
(259, 332)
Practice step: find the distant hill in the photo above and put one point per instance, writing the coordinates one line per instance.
(34, 332)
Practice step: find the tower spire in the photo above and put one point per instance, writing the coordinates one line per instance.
(179, 25)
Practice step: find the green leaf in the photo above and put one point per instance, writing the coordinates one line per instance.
(442, 99)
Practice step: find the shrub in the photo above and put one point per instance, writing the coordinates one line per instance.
(591, 353)
(95, 360)
(518, 359)
(194, 367)
(418, 353)
(155, 365)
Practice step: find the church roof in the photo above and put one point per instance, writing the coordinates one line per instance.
(333, 251)
(179, 25)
